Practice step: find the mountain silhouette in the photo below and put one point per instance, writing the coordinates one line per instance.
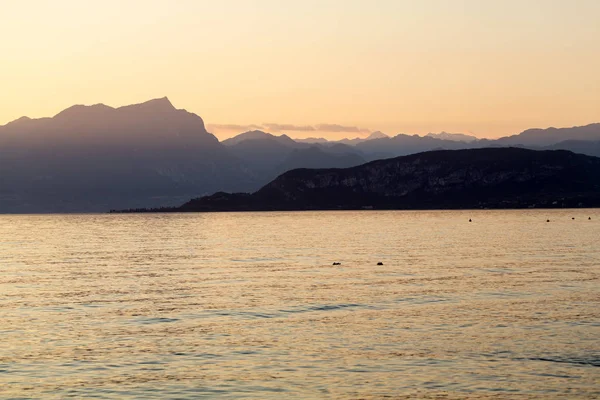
(476, 178)
(259, 135)
(348, 142)
(94, 158)
(401, 145)
(382, 146)
(550, 136)
(376, 135)
(267, 155)
(318, 157)
(88, 158)
(457, 137)
(313, 140)
(590, 148)
(261, 152)
(356, 141)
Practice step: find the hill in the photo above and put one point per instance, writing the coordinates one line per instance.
(476, 178)
(93, 158)
(550, 136)
(267, 155)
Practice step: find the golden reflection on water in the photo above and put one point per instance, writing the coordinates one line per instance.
(250, 305)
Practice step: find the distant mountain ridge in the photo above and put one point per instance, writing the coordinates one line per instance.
(268, 155)
(550, 136)
(258, 135)
(349, 142)
(534, 138)
(458, 137)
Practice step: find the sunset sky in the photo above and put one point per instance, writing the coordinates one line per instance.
(341, 67)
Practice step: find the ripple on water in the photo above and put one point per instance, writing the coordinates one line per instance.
(248, 305)
(153, 320)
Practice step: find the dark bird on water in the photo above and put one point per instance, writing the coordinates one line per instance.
(470, 220)
(379, 263)
(337, 263)
(547, 220)
(573, 218)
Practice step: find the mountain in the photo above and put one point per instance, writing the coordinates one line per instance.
(376, 135)
(312, 140)
(356, 141)
(457, 137)
(550, 136)
(259, 135)
(401, 145)
(338, 148)
(477, 178)
(348, 142)
(590, 148)
(267, 155)
(319, 157)
(262, 154)
(92, 158)
(379, 145)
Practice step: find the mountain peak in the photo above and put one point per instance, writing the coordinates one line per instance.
(456, 137)
(376, 135)
(162, 104)
(83, 111)
(249, 135)
(549, 136)
(17, 122)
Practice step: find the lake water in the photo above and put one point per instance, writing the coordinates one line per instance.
(249, 305)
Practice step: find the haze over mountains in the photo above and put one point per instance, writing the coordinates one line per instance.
(458, 137)
(96, 158)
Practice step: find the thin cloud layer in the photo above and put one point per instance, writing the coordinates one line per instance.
(288, 127)
(277, 127)
(234, 127)
(340, 128)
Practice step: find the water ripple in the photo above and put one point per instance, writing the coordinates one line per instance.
(249, 305)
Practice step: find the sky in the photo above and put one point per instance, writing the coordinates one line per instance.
(325, 68)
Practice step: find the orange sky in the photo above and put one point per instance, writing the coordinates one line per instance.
(487, 67)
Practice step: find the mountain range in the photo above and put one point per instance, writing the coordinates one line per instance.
(443, 179)
(96, 158)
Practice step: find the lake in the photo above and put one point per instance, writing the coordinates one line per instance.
(250, 305)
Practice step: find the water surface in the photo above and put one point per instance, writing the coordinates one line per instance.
(249, 305)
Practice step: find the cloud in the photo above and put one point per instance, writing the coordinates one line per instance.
(313, 128)
(233, 127)
(288, 127)
(340, 128)
(277, 127)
